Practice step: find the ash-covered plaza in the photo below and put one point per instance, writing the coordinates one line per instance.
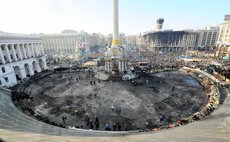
(80, 97)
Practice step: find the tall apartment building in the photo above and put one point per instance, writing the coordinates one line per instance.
(96, 41)
(223, 42)
(20, 56)
(131, 40)
(207, 38)
(69, 43)
(64, 44)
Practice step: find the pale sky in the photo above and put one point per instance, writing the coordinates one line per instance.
(94, 16)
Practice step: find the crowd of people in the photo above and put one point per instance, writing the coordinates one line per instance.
(213, 96)
(169, 60)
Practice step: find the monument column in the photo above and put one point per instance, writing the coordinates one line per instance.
(115, 24)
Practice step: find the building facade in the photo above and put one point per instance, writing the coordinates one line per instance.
(72, 44)
(207, 38)
(223, 42)
(96, 42)
(20, 56)
(170, 41)
(131, 40)
(64, 44)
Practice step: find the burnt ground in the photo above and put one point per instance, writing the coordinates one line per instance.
(176, 95)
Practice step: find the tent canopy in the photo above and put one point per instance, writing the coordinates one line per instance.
(90, 63)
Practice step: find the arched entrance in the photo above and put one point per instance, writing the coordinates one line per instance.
(27, 71)
(115, 63)
(17, 72)
(35, 67)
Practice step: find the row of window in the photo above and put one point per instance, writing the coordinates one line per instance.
(27, 54)
(11, 56)
(5, 78)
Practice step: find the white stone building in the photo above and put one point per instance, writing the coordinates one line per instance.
(20, 56)
(67, 44)
(64, 44)
(223, 42)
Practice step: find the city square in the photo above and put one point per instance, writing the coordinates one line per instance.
(78, 96)
(115, 81)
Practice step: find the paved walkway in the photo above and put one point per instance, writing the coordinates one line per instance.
(17, 127)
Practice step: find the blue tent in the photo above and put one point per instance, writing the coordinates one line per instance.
(226, 58)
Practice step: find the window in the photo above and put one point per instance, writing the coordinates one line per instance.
(5, 57)
(3, 70)
(6, 79)
(0, 82)
(11, 56)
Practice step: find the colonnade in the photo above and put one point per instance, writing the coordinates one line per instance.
(122, 65)
(15, 52)
(11, 73)
(28, 69)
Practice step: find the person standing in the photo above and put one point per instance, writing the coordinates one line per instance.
(114, 126)
(126, 127)
(162, 117)
(119, 126)
(107, 127)
(90, 124)
(96, 122)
